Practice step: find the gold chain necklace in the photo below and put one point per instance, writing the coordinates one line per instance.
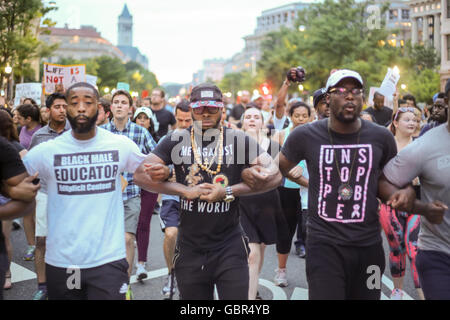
(219, 149)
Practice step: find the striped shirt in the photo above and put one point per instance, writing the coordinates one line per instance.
(144, 141)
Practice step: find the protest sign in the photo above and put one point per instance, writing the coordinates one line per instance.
(389, 84)
(59, 78)
(123, 86)
(28, 90)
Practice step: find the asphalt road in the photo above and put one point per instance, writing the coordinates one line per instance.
(24, 278)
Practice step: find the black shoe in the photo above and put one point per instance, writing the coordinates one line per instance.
(301, 252)
(16, 225)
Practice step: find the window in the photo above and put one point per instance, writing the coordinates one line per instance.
(448, 47)
(405, 14)
(448, 8)
(393, 14)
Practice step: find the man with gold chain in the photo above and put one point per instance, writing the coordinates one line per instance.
(209, 160)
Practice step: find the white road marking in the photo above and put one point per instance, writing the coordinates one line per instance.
(388, 283)
(19, 273)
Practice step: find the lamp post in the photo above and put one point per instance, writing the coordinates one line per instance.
(8, 71)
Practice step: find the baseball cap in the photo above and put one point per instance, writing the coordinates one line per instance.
(206, 94)
(148, 112)
(339, 75)
(318, 95)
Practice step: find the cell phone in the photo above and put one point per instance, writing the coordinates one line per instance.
(35, 181)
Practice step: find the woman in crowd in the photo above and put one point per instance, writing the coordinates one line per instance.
(299, 114)
(401, 228)
(29, 118)
(144, 117)
(259, 212)
(8, 131)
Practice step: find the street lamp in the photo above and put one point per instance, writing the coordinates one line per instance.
(8, 71)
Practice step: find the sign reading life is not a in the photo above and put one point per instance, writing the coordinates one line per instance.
(60, 77)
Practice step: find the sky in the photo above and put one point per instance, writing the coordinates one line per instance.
(175, 35)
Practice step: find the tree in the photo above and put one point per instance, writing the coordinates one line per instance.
(335, 34)
(19, 26)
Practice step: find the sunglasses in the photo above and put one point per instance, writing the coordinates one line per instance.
(210, 110)
(344, 91)
(404, 109)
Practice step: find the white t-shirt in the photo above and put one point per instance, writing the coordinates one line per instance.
(85, 207)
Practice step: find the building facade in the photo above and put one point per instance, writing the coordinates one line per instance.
(431, 27)
(81, 44)
(125, 39)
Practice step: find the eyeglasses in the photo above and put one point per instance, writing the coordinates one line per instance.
(340, 91)
(211, 110)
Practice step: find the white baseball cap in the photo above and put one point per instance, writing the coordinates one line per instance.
(149, 113)
(337, 76)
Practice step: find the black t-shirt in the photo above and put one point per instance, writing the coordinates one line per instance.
(165, 118)
(237, 111)
(383, 117)
(353, 222)
(10, 166)
(208, 226)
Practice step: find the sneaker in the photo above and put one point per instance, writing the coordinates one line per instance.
(280, 278)
(40, 295)
(166, 289)
(141, 273)
(29, 254)
(397, 294)
(129, 294)
(301, 252)
(16, 224)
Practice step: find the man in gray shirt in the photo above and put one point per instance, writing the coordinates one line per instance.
(57, 105)
(429, 159)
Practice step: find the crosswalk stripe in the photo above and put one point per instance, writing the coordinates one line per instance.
(19, 273)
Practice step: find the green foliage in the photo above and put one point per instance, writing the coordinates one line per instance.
(335, 35)
(424, 85)
(19, 25)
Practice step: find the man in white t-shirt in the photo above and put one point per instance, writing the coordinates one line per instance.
(85, 257)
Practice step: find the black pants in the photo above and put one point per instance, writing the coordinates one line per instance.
(4, 262)
(338, 273)
(227, 268)
(290, 203)
(434, 274)
(301, 229)
(105, 282)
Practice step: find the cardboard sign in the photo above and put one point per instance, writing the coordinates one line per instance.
(59, 78)
(91, 80)
(28, 90)
(389, 84)
(123, 86)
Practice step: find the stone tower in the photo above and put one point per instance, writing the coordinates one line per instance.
(125, 28)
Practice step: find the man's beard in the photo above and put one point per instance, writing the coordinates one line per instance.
(84, 127)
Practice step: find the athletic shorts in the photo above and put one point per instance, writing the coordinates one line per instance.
(41, 214)
(132, 210)
(198, 271)
(169, 215)
(105, 282)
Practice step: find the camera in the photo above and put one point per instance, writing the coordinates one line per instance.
(300, 74)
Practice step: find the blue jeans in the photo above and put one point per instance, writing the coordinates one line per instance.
(434, 274)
